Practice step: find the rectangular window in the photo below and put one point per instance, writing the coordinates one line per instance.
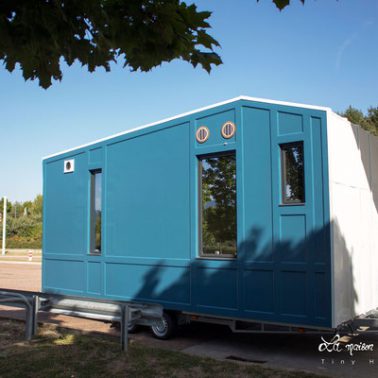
(292, 173)
(217, 205)
(96, 208)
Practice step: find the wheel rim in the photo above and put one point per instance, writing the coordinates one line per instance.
(131, 327)
(160, 327)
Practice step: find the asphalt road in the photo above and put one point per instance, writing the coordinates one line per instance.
(20, 276)
(297, 352)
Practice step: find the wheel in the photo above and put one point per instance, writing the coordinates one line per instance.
(165, 328)
(133, 328)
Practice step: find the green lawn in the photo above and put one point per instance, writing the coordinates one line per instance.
(64, 353)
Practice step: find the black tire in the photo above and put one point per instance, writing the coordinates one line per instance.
(133, 328)
(165, 328)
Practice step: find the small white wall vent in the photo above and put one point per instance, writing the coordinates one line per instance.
(202, 134)
(69, 166)
(228, 130)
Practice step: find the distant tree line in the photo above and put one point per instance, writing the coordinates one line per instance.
(24, 223)
(368, 122)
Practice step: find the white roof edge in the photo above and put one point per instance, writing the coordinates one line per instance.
(248, 98)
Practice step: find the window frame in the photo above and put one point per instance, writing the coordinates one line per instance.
(283, 172)
(92, 212)
(200, 253)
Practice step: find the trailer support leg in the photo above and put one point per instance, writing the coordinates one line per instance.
(125, 327)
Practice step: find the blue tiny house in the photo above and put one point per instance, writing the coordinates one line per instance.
(224, 211)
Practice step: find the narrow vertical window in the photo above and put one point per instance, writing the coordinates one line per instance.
(217, 207)
(96, 208)
(292, 172)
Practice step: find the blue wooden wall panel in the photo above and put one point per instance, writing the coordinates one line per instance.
(257, 201)
(96, 156)
(259, 291)
(217, 288)
(66, 207)
(94, 278)
(148, 195)
(150, 219)
(319, 300)
(292, 232)
(293, 294)
(65, 276)
(162, 283)
(289, 123)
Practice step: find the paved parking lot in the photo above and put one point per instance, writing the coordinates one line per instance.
(20, 275)
(299, 352)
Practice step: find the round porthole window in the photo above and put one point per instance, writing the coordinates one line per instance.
(68, 166)
(202, 134)
(228, 130)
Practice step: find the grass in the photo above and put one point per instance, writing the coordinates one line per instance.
(23, 242)
(57, 352)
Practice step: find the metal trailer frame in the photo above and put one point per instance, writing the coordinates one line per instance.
(126, 313)
(368, 323)
(132, 313)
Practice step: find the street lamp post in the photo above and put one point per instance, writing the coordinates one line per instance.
(4, 224)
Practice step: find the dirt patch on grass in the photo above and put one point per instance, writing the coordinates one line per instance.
(57, 352)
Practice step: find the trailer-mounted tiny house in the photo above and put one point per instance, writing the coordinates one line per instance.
(249, 209)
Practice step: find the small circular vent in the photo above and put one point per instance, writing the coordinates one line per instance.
(202, 134)
(228, 130)
(69, 166)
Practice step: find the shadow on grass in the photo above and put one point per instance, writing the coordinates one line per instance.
(61, 353)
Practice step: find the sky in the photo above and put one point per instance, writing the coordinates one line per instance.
(323, 53)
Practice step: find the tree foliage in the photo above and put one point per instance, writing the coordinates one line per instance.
(40, 34)
(281, 4)
(24, 223)
(9, 206)
(219, 204)
(368, 122)
(294, 173)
